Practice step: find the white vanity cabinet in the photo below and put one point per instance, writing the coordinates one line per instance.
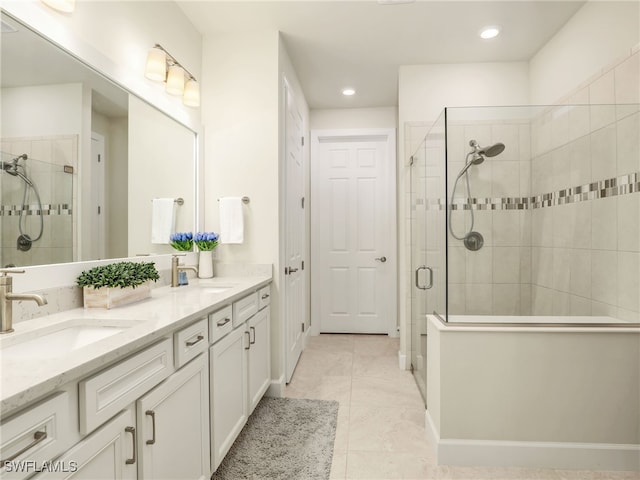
(228, 373)
(173, 426)
(37, 434)
(109, 453)
(240, 370)
(259, 359)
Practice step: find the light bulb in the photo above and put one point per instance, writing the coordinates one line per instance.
(191, 97)
(156, 68)
(175, 80)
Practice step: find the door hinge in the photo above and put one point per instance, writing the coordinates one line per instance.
(302, 141)
(302, 202)
(99, 158)
(303, 265)
(303, 326)
(99, 210)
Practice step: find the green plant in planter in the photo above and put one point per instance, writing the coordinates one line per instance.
(121, 274)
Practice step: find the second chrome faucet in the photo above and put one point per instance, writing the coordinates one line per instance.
(176, 268)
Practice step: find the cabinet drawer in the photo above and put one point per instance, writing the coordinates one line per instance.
(190, 342)
(108, 392)
(220, 323)
(38, 434)
(264, 297)
(244, 309)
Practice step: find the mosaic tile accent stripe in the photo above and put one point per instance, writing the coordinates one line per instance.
(47, 209)
(622, 185)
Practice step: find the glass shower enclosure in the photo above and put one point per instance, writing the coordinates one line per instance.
(525, 216)
(36, 217)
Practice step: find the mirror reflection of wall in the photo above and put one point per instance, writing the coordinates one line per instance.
(161, 152)
(64, 116)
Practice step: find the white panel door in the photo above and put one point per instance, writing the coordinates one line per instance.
(295, 297)
(353, 239)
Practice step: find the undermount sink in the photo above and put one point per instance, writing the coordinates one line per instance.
(209, 289)
(58, 340)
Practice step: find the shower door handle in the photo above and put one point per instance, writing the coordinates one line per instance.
(425, 287)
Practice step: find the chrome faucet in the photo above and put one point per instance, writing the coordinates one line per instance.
(176, 268)
(7, 297)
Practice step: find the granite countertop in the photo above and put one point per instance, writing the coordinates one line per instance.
(26, 379)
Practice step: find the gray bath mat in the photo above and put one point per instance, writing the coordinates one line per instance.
(285, 438)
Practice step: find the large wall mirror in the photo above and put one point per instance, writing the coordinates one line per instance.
(82, 160)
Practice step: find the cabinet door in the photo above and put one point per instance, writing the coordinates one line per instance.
(173, 426)
(228, 392)
(108, 453)
(259, 357)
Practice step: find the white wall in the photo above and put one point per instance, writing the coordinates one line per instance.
(240, 106)
(23, 107)
(597, 35)
(241, 117)
(423, 92)
(115, 36)
(162, 153)
(349, 118)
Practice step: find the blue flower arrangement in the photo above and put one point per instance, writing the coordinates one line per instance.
(182, 241)
(206, 240)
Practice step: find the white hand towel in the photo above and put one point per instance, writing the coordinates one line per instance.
(231, 220)
(163, 219)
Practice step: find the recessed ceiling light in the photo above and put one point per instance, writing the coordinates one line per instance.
(348, 92)
(489, 32)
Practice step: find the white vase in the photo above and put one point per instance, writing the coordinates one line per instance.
(205, 264)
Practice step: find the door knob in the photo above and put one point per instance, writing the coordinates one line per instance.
(381, 259)
(289, 270)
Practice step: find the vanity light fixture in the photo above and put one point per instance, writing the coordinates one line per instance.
(489, 32)
(66, 6)
(163, 67)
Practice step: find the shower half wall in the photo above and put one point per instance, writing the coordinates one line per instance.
(527, 350)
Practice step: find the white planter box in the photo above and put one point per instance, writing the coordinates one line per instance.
(107, 297)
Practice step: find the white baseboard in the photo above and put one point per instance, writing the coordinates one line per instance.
(276, 389)
(560, 455)
(402, 361)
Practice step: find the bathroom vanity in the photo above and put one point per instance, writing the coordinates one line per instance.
(157, 389)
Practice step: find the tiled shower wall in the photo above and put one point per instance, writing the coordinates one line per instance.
(495, 279)
(56, 190)
(586, 244)
(559, 209)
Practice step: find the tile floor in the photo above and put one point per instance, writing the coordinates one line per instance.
(380, 432)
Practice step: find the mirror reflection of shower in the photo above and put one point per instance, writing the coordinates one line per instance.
(472, 240)
(17, 168)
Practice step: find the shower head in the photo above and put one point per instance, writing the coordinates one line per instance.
(478, 154)
(9, 167)
(490, 151)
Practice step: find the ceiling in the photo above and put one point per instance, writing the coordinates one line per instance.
(361, 44)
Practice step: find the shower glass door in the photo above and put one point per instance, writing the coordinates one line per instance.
(418, 259)
(428, 244)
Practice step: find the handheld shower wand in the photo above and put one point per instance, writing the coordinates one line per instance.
(472, 240)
